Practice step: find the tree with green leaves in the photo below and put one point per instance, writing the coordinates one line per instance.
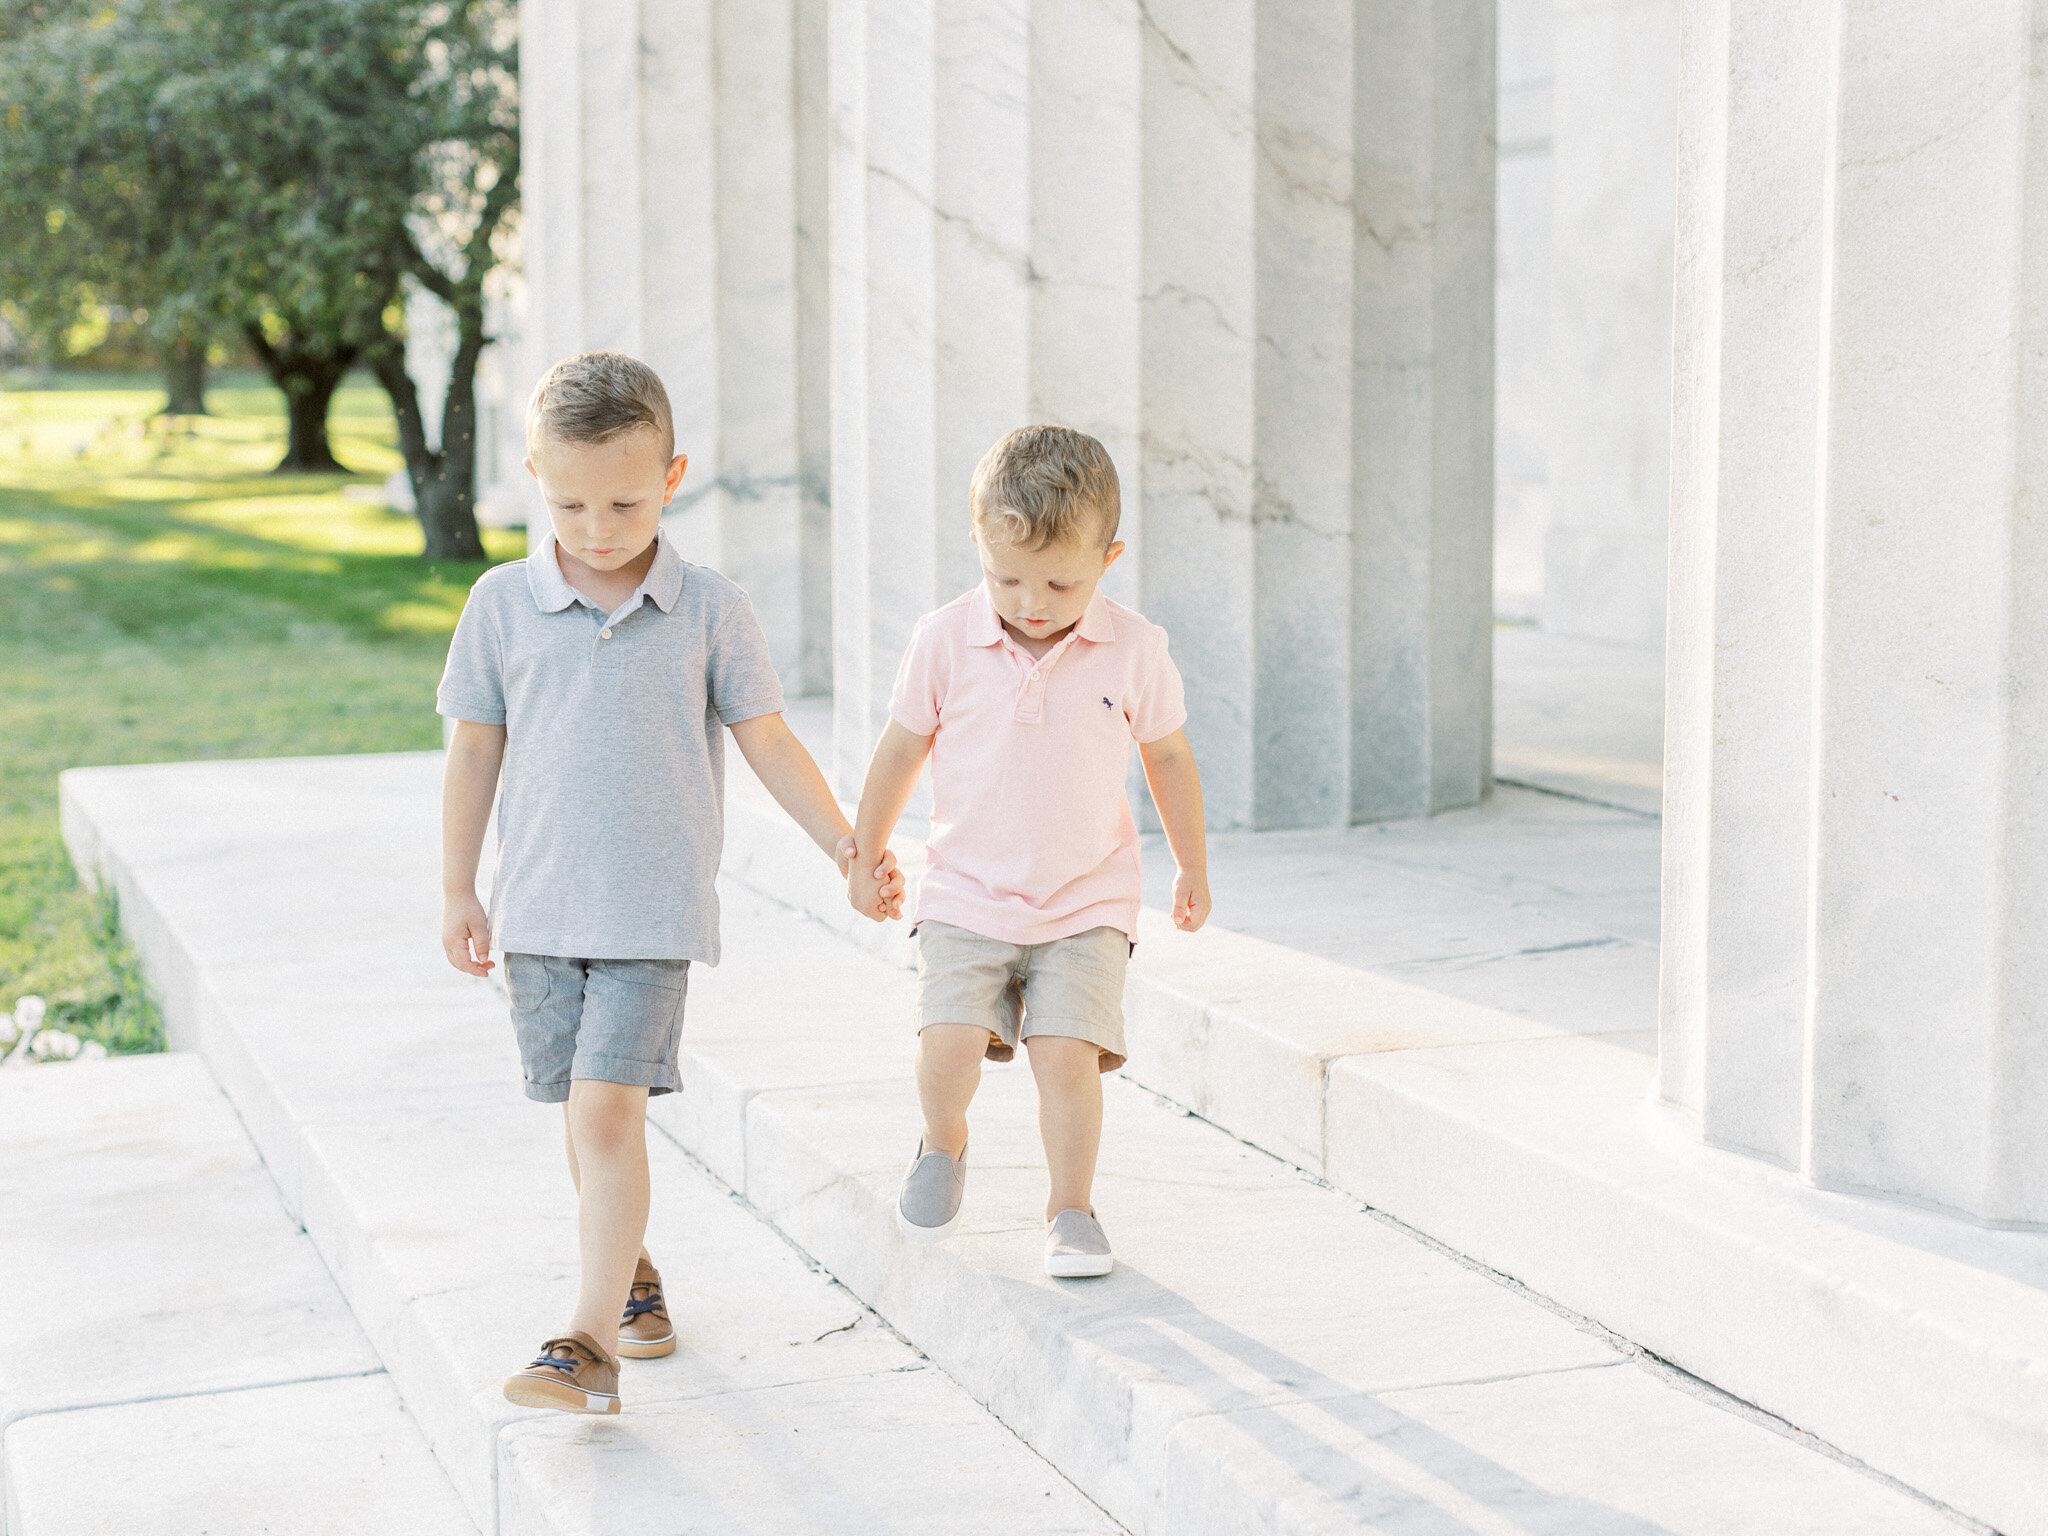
(68, 227)
(282, 169)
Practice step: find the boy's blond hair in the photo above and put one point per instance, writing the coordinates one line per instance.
(594, 396)
(1041, 486)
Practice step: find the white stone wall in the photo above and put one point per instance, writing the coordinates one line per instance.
(506, 496)
(1853, 901)
(1521, 311)
(1613, 164)
(1583, 290)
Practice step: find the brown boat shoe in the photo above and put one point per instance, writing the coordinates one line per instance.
(645, 1333)
(572, 1373)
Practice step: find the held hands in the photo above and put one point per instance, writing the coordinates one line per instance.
(466, 934)
(876, 893)
(1190, 899)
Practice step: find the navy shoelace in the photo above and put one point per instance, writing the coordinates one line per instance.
(647, 1304)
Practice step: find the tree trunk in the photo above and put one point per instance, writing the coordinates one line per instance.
(306, 447)
(447, 512)
(308, 377)
(185, 378)
(443, 480)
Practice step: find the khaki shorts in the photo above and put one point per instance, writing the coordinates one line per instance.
(1072, 987)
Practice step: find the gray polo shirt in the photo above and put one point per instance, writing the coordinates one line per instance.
(611, 811)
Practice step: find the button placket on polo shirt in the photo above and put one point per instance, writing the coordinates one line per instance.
(1031, 693)
(607, 623)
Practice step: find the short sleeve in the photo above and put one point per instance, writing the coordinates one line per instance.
(473, 682)
(1156, 704)
(739, 678)
(914, 702)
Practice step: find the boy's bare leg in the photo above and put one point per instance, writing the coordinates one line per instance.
(948, 1071)
(576, 1174)
(608, 1130)
(1069, 1077)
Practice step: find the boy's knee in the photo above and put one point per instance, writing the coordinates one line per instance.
(1063, 1055)
(606, 1116)
(955, 1046)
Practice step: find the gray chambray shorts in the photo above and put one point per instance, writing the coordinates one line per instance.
(618, 1021)
(1072, 987)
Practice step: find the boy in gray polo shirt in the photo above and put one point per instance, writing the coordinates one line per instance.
(600, 674)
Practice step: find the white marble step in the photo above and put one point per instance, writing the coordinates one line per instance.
(289, 915)
(1915, 1343)
(1268, 1358)
(174, 1357)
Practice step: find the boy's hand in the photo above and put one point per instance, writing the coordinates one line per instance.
(466, 934)
(876, 893)
(1190, 899)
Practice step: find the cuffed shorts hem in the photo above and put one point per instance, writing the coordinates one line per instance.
(1106, 1038)
(631, 1074)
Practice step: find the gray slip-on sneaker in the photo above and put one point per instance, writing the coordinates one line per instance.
(929, 1206)
(1075, 1247)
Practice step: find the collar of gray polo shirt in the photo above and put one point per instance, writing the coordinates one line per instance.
(662, 584)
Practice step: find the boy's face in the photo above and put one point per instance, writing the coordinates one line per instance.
(605, 499)
(1042, 593)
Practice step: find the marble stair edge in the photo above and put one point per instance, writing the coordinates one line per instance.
(495, 1457)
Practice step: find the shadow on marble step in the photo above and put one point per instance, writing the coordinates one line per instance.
(1223, 1355)
(1912, 1341)
(1299, 1057)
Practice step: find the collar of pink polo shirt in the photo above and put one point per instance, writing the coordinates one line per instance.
(1095, 624)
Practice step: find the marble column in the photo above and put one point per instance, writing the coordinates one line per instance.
(931, 316)
(1521, 310)
(1613, 154)
(1855, 951)
(1250, 247)
(1421, 698)
(673, 201)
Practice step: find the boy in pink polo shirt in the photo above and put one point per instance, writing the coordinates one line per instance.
(1026, 693)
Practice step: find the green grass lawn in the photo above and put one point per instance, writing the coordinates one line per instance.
(164, 597)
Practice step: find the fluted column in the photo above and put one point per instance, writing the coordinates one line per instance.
(1248, 246)
(1855, 964)
(931, 319)
(674, 193)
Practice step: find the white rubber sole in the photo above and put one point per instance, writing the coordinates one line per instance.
(917, 1234)
(647, 1349)
(1080, 1266)
(532, 1392)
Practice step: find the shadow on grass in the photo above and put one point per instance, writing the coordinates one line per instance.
(178, 572)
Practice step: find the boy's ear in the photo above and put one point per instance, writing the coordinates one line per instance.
(528, 462)
(1109, 555)
(676, 466)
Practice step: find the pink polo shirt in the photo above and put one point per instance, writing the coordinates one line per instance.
(1032, 838)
